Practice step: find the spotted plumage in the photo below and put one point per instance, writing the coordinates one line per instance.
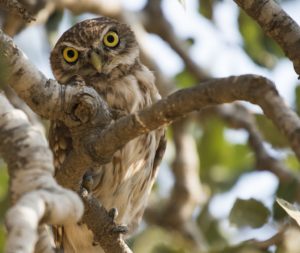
(103, 53)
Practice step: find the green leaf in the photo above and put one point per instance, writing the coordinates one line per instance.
(3, 181)
(2, 237)
(221, 162)
(162, 248)
(249, 212)
(206, 8)
(270, 132)
(209, 227)
(297, 98)
(184, 79)
(288, 190)
(292, 210)
(263, 50)
(52, 26)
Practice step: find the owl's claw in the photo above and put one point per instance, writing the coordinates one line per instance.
(113, 213)
(77, 80)
(117, 114)
(87, 182)
(120, 229)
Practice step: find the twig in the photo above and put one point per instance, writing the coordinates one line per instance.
(276, 239)
(155, 22)
(277, 24)
(239, 117)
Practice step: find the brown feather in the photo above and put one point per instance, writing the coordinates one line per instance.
(127, 86)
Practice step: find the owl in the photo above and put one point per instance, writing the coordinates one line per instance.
(104, 54)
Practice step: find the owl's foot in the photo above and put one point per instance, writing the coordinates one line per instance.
(120, 229)
(87, 182)
(117, 114)
(76, 80)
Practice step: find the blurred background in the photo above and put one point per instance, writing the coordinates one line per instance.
(225, 165)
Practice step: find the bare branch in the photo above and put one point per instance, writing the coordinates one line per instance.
(276, 239)
(239, 117)
(155, 22)
(27, 82)
(255, 89)
(34, 192)
(101, 7)
(16, 7)
(277, 24)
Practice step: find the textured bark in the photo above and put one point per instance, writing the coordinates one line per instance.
(252, 88)
(97, 141)
(36, 197)
(14, 6)
(277, 24)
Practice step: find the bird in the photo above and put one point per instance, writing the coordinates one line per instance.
(103, 53)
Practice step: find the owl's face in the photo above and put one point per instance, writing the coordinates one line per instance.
(93, 47)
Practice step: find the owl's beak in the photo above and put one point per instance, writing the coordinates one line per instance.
(96, 61)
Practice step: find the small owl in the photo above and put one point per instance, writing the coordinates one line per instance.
(105, 55)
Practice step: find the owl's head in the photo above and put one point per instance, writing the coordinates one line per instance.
(93, 47)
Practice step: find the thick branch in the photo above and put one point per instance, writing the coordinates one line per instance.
(277, 24)
(34, 192)
(255, 89)
(14, 6)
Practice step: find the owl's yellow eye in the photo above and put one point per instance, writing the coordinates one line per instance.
(70, 55)
(111, 39)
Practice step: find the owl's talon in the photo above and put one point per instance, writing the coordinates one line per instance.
(117, 114)
(113, 213)
(83, 192)
(77, 80)
(120, 229)
(87, 182)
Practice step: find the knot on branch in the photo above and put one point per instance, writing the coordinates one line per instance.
(86, 114)
(83, 106)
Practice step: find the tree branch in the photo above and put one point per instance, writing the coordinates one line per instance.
(99, 144)
(277, 24)
(34, 192)
(239, 117)
(186, 193)
(155, 22)
(14, 6)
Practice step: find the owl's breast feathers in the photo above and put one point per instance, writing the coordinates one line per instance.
(124, 183)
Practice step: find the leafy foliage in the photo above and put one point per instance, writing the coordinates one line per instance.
(3, 202)
(270, 133)
(262, 50)
(249, 212)
(222, 162)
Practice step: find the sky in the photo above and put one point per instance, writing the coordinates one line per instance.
(218, 49)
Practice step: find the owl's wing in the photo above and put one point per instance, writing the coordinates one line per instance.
(60, 142)
(160, 151)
